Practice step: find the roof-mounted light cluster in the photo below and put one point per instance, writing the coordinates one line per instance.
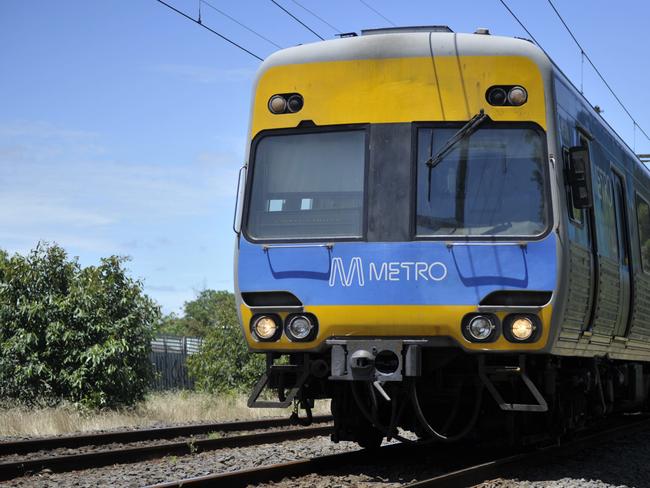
(506, 95)
(283, 103)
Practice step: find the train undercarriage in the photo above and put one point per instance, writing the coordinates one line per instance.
(381, 388)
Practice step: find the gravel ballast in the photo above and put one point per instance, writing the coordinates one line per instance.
(90, 448)
(176, 468)
(621, 462)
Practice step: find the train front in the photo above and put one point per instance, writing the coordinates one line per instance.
(395, 231)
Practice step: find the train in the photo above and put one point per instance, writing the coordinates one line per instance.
(438, 232)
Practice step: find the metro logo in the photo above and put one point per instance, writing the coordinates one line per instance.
(385, 271)
(356, 268)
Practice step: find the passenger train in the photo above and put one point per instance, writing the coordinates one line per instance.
(440, 234)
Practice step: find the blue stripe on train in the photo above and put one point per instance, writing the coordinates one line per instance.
(405, 273)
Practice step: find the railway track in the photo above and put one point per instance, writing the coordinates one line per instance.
(483, 471)
(103, 438)
(474, 470)
(98, 458)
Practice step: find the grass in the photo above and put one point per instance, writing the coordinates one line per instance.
(158, 409)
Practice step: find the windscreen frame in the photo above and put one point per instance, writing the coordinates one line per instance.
(490, 124)
(250, 176)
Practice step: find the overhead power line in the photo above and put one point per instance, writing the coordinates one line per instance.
(378, 13)
(239, 23)
(521, 23)
(198, 22)
(317, 16)
(298, 20)
(586, 56)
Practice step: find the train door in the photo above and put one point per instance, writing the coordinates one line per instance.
(623, 233)
(607, 305)
(589, 218)
(583, 255)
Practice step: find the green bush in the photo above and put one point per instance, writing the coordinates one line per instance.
(224, 363)
(73, 333)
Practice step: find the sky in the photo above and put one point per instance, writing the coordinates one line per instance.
(123, 125)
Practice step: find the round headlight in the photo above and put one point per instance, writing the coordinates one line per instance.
(522, 328)
(265, 327)
(277, 104)
(497, 96)
(480, 327)
(299, 327)
(517, 95)
(295, 103)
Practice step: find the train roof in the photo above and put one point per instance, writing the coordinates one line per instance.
(407, 42)
(424, 41)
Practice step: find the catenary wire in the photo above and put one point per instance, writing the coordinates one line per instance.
(317, 16)
(298, 20)
(378, 13)
(239, 23)
(586, 56)
(209, 29)
(521, 23)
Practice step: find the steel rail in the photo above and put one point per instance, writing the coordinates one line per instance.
(94, 459)
(276, 472)
(103, 438)
(474, 475)
(456, 476)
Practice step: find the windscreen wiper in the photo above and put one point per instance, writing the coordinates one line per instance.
(468, 129)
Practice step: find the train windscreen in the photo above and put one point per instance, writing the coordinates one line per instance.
(308, 186)
(491, 183)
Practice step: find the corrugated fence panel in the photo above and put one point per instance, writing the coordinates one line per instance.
(169, 357)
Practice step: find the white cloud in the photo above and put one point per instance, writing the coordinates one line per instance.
(204, 74)
(54, 180)
(23, 209)
(42, 129)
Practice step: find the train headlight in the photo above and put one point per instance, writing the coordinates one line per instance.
(277, 104)
(266, 327)
(301, 327)
(480, 327)
(522, 328)
(282, 103)
(517, 95)
(506, 95)
(497, 96)
(295, 103)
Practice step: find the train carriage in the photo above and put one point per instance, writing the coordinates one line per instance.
(439, 233)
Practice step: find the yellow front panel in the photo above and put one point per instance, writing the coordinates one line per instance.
(393, 91)
(399, 90)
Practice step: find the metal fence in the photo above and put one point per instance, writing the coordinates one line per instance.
(169, 357)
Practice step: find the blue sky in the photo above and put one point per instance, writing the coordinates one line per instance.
(123, 125)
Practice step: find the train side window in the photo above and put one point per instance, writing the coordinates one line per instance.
(576, 215)
(643, 221)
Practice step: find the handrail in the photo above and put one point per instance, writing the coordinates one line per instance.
(522, 244)
(266, 247)
(234, 217)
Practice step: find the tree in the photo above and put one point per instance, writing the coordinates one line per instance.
(224, 363)
(73, 333)
(201, 315)
(172, 324)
